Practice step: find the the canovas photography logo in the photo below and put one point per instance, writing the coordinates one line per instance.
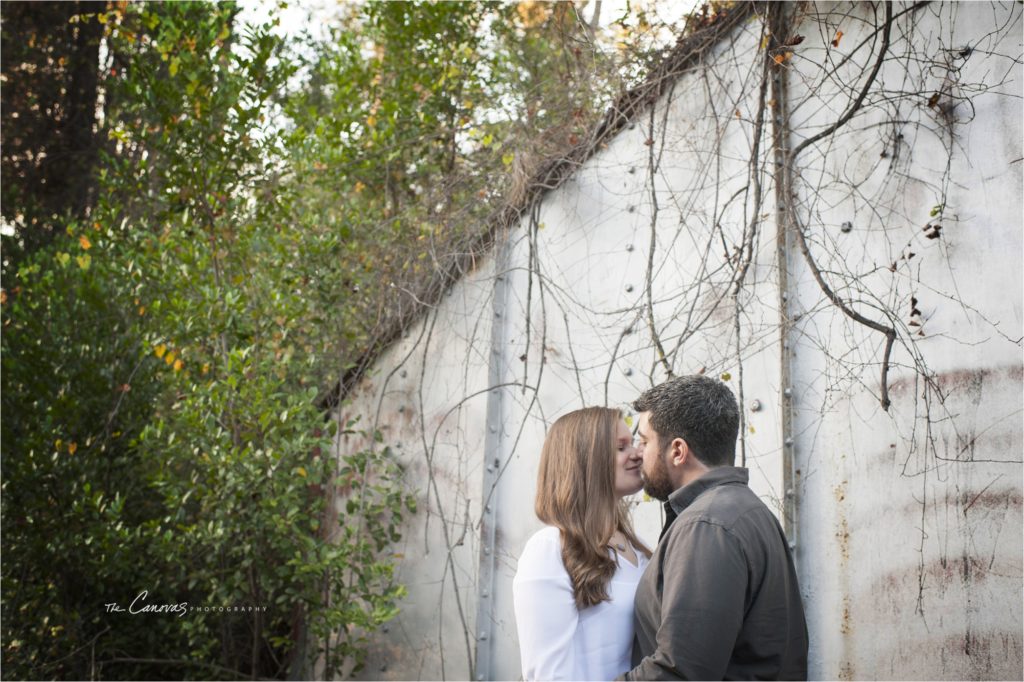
(143, 604)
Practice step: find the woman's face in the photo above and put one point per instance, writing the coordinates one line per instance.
(627, 463)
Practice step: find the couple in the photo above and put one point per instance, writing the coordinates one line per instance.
(718, 597)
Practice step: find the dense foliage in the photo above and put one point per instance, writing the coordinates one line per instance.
(188, 272)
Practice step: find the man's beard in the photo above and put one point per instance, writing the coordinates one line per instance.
(657, 483)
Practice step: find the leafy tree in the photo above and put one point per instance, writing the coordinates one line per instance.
(48, 112)
(217, 495)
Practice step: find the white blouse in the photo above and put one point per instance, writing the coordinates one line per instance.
(559, 642)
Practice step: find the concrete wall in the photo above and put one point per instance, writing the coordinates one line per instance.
(907, 522)
(910, 521)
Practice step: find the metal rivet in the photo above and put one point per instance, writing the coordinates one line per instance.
(483, 635)
(755, 406)
(497, 462)
(789, 442)
(497, 313)
(631, 209)
(403, 374)
(629, 247)
(789, 492)
(629, 288)
(401, 409)
(847, 226)
(487, 509)
(628, 371)
(487, 551)
(492, 429)
(787, 392)
(485, 593)
(792, 545)
(785, 296)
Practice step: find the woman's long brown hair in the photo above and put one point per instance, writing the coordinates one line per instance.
(576, 494)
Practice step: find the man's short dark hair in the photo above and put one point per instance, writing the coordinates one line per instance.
(700, 410)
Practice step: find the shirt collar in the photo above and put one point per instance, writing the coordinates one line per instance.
(687, 495)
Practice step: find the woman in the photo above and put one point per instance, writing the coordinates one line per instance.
(573, 590)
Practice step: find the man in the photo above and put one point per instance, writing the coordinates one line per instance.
(719, 599)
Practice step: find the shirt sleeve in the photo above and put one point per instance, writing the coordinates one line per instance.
(546, 615)
(705, 585)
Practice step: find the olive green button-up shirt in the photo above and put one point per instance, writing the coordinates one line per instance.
(719, 599)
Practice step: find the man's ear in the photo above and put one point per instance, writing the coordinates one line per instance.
(679, 452)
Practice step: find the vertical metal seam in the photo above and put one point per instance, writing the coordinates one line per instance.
(779, 27)
(493, 442)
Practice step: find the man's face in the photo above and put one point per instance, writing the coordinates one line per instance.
(654, 471)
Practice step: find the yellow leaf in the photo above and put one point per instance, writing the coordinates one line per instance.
(84, 242)
(533, 13)
(764, 42)
(173, 68)
(359, 187)
(647, 498)
(142, 310)
(371, 121)
(629, 420)
(58, 443)
(206, 367)
(178, 364)
(752, 429)
(72, 447)
(726, 376)
(84, 261)
(160, 350)
(169, 358)
(302, 471)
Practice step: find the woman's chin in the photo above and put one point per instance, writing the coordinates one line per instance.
(632, 490)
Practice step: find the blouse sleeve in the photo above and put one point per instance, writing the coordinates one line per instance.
(546, 615)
